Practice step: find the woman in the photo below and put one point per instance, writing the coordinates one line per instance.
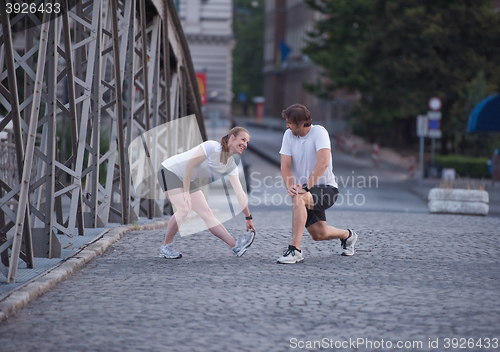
(182, 175)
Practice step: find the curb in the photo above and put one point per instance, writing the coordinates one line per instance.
(34, 288)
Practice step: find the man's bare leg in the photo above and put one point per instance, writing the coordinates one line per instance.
(322, 232)
(300, 204)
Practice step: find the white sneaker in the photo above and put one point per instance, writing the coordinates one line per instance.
(169, 252)
(291, 256)
(348, 243)
(242, 243)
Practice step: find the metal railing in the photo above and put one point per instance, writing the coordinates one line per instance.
(123, 67)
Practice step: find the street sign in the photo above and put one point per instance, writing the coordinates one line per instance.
(435, 104)
(434, 134)
(435, 115)
(429, 126)
(422, 125)
(434, 124)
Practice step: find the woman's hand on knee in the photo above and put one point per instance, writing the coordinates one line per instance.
(187, 200)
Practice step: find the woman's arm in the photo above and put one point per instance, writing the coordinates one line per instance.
(242, 199)
(240, 194)
(197, 158)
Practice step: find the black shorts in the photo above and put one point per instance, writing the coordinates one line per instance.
(324, 197)
(169, 181)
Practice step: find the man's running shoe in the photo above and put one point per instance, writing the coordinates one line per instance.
(291, 256)
(348, 243)
(242, 243)
(169, 252)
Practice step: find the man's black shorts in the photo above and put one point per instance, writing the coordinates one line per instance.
(324, 197)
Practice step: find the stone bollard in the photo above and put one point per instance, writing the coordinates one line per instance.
(458, 201)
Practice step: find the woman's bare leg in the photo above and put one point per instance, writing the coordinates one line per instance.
(176, 198)
(201, 207)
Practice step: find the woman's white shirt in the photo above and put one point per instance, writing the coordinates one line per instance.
(211, 167)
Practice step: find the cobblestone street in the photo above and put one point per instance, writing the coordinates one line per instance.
(415, 277)
(134, 131)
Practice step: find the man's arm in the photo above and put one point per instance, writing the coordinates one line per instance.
(286, 173)
(286, 170)
(323, 156)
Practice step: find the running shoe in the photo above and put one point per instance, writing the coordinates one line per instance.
(169, 252)
(291, 256)
(242, 243)
(348, 243)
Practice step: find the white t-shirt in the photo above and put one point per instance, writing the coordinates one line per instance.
(211, 167)
(303, 152)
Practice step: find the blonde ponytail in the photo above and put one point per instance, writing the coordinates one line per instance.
(224, 155)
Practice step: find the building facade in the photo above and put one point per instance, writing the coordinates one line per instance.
(208, 26)
(287, 69)
(495, 4)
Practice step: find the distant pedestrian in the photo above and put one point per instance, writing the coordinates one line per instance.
(181, 177)
(307, 147)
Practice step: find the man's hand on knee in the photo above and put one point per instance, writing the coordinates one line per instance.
(300, 190)
(292, 191)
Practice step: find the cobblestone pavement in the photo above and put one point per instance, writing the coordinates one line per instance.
(415, 277)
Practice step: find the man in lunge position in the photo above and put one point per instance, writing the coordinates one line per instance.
(307, 146)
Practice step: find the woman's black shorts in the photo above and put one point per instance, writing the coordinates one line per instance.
(324, 196)
(169, 181)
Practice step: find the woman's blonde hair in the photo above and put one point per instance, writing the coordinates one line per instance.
(224, 156)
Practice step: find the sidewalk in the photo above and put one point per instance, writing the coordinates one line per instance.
(70, 246)
(76, 251)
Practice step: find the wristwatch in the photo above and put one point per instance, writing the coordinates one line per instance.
(249, 217)
(305, 188)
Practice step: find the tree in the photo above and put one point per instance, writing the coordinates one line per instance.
(248, 53)
(398, 54)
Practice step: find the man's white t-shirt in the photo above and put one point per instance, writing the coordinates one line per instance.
(211, 167)
(303, 152)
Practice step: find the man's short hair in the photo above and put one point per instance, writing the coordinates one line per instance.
(297, 114)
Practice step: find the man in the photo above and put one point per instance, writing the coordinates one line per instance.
(307, 146)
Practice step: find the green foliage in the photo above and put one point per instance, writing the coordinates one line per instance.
(248, 27)
(398, 54)
(465, 166)
(135, 226)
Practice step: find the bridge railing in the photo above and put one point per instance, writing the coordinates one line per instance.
(101, 73)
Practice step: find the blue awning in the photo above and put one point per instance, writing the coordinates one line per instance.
(485, 117)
